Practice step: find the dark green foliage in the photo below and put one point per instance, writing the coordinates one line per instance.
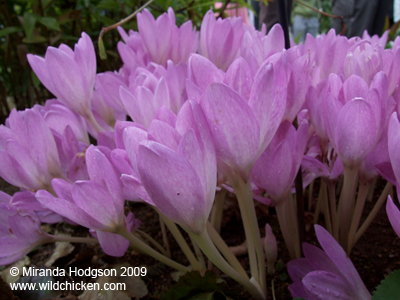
(194, 286)
(389, 289)
(30, 26)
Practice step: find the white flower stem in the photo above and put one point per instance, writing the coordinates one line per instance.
(73, 239)
(244, 195)
(332, 203)
(146, 249)
(152, 241)
(216, 215)
(346, 203)
(181, 241)
(363, 190)
(209, 249)
(224, 249)
(385, 193)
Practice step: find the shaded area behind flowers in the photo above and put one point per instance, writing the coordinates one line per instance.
(374, 256)
(32, 26)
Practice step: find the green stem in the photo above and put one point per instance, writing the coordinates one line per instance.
(346, 203)
(244, 195)
(209, 249)
(73, 239)
(325, 203)
(310, 195)
(293, 224)
(332, 203)
(224, 249)
(218, 209)
(165, 238)
(152, 241)
(386, 191)
(318, 206)
(216, 214)
(273, 289)
(199, 255)
(372, 189)
(355, 221)
(284, 214)
(146, 249)
(181, 241)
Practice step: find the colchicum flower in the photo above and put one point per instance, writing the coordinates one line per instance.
(327, 274)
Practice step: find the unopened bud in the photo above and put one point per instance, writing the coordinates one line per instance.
(270, 248)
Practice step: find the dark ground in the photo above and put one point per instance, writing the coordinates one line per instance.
(375, 255)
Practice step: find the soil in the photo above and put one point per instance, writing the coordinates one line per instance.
(374, 256)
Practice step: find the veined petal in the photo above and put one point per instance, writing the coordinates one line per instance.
(191, 116)
(233, 127)
(355, 132)
(164, 133)
(11, 245)
(68, 209)
(337, 255)
(103, 173)
(268, 102)
(239, 77)
(173, 185)
(354, 87)
(202, 72)
(329, 286)
(85, 57)
(95, 200)
(39, 66)
(68, 82)
(132, 137)
(134, 190)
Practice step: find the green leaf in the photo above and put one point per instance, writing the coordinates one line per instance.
(109, 5)
(283, 276)
(86, 2)
(9, 30)
(50, 23)
(192, 284)
(210, 296)
(34, 39)
(45, 3)
(29, 24)
(35, 80)
(389, 289)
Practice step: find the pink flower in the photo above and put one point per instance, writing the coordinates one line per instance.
(164, 40)
(327, 274)
(28, 152)
(177, 167)
(220, 39)
(69, 75)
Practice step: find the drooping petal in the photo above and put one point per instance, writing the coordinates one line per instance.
(329, 286)
(67, 209)
(336, 253)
